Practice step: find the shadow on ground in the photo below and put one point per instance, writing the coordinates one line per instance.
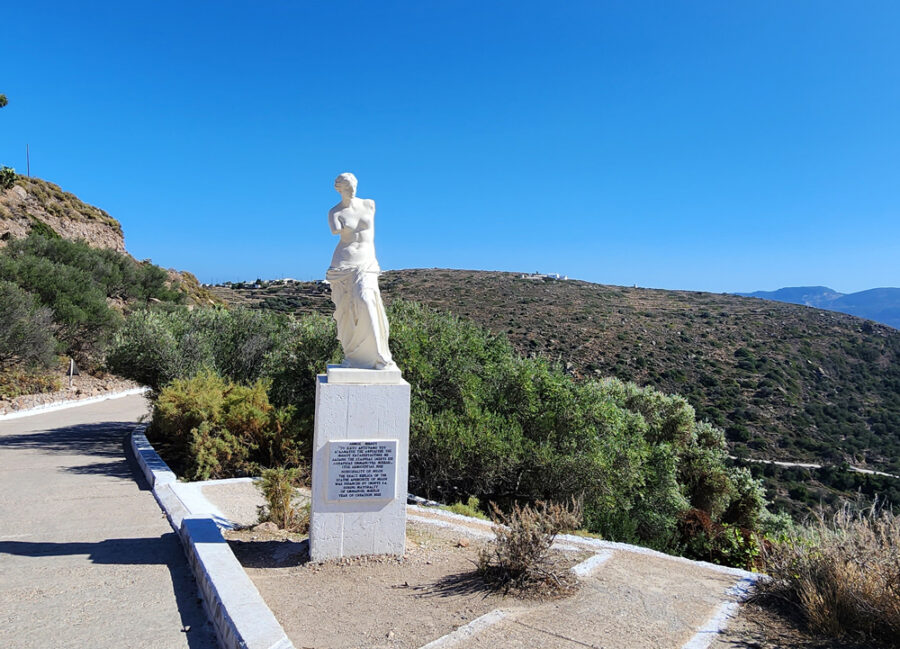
(163, 550)
(463, 583)
(270, 554)
(103, 440)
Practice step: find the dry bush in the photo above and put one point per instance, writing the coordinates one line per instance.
(278, 487)
(520, 557)
(843, 574)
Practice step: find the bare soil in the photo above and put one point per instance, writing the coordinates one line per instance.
(372, 602)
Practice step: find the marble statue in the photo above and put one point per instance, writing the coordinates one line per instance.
(362, 325)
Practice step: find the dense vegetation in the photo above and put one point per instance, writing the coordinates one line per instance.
(785, 382)
(64, 297)
(486, 422)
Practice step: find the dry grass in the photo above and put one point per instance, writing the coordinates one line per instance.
(15, 382)
(520, 558)
(843, 574)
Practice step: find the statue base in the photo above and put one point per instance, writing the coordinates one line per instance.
(360, 464)
(341, 374)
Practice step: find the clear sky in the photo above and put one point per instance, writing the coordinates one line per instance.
(721, 146)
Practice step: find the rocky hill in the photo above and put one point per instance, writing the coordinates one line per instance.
(35, 204)
(786, 382)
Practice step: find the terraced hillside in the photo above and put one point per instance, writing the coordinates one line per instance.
(786, 382)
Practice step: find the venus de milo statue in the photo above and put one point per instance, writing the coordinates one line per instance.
(362, 325)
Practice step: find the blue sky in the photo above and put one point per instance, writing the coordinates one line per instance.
(721, 146)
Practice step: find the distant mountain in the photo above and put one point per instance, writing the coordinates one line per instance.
(878, 304)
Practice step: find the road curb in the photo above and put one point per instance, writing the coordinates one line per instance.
(71, 403)
(240, 616)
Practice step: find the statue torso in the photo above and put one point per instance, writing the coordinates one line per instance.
(357, 229)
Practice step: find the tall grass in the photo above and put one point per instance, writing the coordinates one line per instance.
(843, 573)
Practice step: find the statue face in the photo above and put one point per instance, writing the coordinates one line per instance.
(345, 184)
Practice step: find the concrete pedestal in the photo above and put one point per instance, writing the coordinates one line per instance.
(360, 465)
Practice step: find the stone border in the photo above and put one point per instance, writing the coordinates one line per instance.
(241, 618)
(71, 403)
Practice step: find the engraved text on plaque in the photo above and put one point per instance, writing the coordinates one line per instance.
(362, 470)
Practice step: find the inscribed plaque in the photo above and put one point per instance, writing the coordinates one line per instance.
(362, 470)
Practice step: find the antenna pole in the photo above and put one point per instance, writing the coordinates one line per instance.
(27, 161)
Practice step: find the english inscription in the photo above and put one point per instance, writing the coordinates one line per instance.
(363, 470)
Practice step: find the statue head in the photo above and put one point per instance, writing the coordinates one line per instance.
(346, 182)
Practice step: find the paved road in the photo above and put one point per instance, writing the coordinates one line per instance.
(87, 558)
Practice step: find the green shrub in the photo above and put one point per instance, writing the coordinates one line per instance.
(156, 346)
(7, 174)
(470, 508)
(707, 540)
(503, 428)
(38, 227)
(115, 275)
(704, 472)
(278, 486)
(748, 499)
(207, 427)
(306, 345)
(26, 330)
(84, 320)
(77, 283)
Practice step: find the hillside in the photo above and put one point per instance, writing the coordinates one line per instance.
(878, 304)
(36, 205)
(786, 382)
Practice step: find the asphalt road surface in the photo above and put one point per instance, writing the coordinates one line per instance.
(87, 559)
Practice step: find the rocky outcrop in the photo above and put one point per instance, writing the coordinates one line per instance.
(35, 204)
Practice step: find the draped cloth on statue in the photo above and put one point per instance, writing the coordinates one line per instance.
(362, 325)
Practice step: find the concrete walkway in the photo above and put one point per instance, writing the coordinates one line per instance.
(87, 558)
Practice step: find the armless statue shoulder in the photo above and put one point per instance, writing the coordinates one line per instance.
(362, 325)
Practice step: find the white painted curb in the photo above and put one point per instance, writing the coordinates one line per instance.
(71, 403)
(722, 616)
(237, 610)
(468, 630)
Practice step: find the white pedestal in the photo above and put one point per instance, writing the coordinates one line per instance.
(360, 466)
